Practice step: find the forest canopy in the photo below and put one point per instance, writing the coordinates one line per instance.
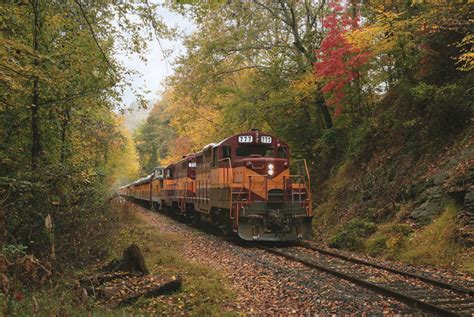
(62, 141)
(308, 71)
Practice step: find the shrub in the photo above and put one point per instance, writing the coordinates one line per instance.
(444, 109)
(376, 245)
(388, 239)
(352, 234)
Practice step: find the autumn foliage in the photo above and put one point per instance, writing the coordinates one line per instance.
(338, 61)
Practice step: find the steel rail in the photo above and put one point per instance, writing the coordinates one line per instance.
(414, 302)
(452, 287)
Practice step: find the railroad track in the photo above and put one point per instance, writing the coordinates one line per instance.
(424, 293)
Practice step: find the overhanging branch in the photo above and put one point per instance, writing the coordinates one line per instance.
(78, 2)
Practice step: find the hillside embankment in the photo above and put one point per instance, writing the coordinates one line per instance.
(407, 198)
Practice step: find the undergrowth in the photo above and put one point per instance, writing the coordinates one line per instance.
(203, 291)
(388, 240)
(437, 243)
(352, 234)
(324, 222)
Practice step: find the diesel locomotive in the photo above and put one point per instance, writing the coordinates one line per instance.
(242, 184)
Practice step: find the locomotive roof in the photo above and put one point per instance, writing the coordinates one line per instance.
(256, 134)
(185, 158)
(253, 132)
(143, 180)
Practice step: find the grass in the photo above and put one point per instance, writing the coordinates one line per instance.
(467, 263)
(436, 244)
(388, 240)
(203, 293)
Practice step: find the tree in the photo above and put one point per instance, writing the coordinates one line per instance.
(279, 38)
(154, 137)
(61, 144)
(338, 61)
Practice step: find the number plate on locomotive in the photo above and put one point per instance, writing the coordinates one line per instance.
(245, 139)
(266, 139)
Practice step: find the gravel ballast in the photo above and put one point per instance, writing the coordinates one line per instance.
(265, 284)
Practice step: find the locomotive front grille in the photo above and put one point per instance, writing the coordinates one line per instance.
(276, 198)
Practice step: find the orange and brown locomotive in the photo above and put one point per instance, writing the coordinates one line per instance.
(242, 184)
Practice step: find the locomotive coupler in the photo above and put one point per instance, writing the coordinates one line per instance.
(276, 220)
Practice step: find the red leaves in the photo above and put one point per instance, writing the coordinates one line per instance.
(338, 60)
(19, 296)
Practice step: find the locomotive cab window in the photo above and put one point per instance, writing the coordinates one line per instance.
(243, 151)
(282, 152)
(226, 151)
(214, 156)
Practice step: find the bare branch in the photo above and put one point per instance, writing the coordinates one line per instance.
(73, 96)
(78, 2)
(155, 28)
(236, 70)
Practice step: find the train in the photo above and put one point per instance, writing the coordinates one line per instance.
(242, 185)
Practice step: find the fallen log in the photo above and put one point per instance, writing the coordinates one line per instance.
(124, 281)
(130, 290)
(99, 279)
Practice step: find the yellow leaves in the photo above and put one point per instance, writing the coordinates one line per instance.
(466, 59)
(305, 84)
(373, 37)
(123, 160)
(305, 87)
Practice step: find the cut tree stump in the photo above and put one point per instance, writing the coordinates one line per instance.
(132, 261)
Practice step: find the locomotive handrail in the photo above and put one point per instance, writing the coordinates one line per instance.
(303, 182)
(226, 158)
(310, 211)
(227, 169)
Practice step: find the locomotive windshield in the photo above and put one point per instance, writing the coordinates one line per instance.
(257, 150)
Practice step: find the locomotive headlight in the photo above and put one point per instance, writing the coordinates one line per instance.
(270, 172)
(270, 166)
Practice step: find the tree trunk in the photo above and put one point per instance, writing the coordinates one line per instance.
(64, 125)
(35, 132)
(35, 142)
(289, 15)
(325, 111)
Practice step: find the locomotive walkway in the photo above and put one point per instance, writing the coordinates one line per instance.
(267, 283)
